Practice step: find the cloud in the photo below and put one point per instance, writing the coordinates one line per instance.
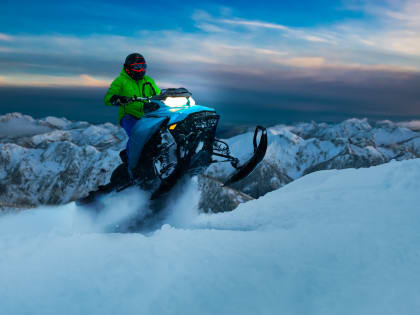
(317, 39)
(229, 42)
(5, 37)
(405, 12)
(5, 49)
(87, 80)
(210, 24)
(256, 24)
(82, 80)
(21, 126)
(306, 62)
(413, 125)
(387, 38)
(173, 52)
(289, 95)
(396, 26)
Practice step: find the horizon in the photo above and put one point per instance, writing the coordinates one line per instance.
(272, 63)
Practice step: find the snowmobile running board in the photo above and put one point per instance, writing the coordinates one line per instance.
(259, 152)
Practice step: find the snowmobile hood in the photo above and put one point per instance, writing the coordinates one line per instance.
(177, 114)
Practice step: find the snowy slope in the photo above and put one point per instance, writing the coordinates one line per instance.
(331, 242)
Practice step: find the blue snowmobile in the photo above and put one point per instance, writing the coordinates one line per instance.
(175, 138)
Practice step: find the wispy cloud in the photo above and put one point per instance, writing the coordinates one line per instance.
(396, 26)
(226, 45)
(303, 62)
(255, 24)
(209, 23)
(82, 80)
(385, 39)
(5, 37)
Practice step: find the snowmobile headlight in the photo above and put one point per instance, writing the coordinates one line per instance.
(172, 127)
(179, 101)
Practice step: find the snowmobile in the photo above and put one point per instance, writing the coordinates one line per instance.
(175, 138)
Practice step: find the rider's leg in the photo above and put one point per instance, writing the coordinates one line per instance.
(128, 122)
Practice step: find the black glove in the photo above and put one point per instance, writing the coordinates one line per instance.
(150, 107)
(118, 100)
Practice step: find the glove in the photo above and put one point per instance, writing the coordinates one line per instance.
(150, 107)
(118, 100)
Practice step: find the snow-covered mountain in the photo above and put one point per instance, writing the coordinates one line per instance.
(53, 160)
(297, 150)
(332, 242)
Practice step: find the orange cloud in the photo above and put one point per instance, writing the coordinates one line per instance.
(90, 81)
(306, 62)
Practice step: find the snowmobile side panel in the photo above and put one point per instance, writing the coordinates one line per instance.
(187, 111)
(142, 131)
(176, 114)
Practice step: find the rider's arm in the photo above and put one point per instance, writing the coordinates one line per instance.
(155, 88)
(114, 89)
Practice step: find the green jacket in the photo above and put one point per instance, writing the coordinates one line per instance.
(126, 86)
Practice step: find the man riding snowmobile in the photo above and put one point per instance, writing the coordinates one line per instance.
(174, 138)
(132, 81)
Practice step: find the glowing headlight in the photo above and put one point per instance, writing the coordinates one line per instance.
(179, 101)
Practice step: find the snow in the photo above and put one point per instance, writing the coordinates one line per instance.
(397, 135)
(331, 242)
(413, 125)
(19, 126)
(57, 122)
(54, 160)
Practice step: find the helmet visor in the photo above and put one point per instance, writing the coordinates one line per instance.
(138, 67)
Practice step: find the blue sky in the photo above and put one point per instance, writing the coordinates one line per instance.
(323, 59)
(110, 17)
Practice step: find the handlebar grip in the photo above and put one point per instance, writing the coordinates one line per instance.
(137, 99)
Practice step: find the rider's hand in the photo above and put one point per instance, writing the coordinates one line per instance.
(118, 100)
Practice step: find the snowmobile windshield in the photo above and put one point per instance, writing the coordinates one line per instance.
(179, 101)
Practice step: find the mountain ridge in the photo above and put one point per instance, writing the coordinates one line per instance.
(55, 160)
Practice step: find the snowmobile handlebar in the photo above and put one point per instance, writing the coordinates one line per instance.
(139, 99)
(148, 105)
(164, 93)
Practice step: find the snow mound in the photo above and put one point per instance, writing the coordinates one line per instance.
(332, 242)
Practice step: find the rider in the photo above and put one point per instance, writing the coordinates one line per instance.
(132, 81)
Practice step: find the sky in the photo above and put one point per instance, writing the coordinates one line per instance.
(256, 62)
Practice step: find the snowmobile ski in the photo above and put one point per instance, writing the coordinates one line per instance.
(245, 169)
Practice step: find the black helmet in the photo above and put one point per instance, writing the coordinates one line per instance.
(135, 66)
